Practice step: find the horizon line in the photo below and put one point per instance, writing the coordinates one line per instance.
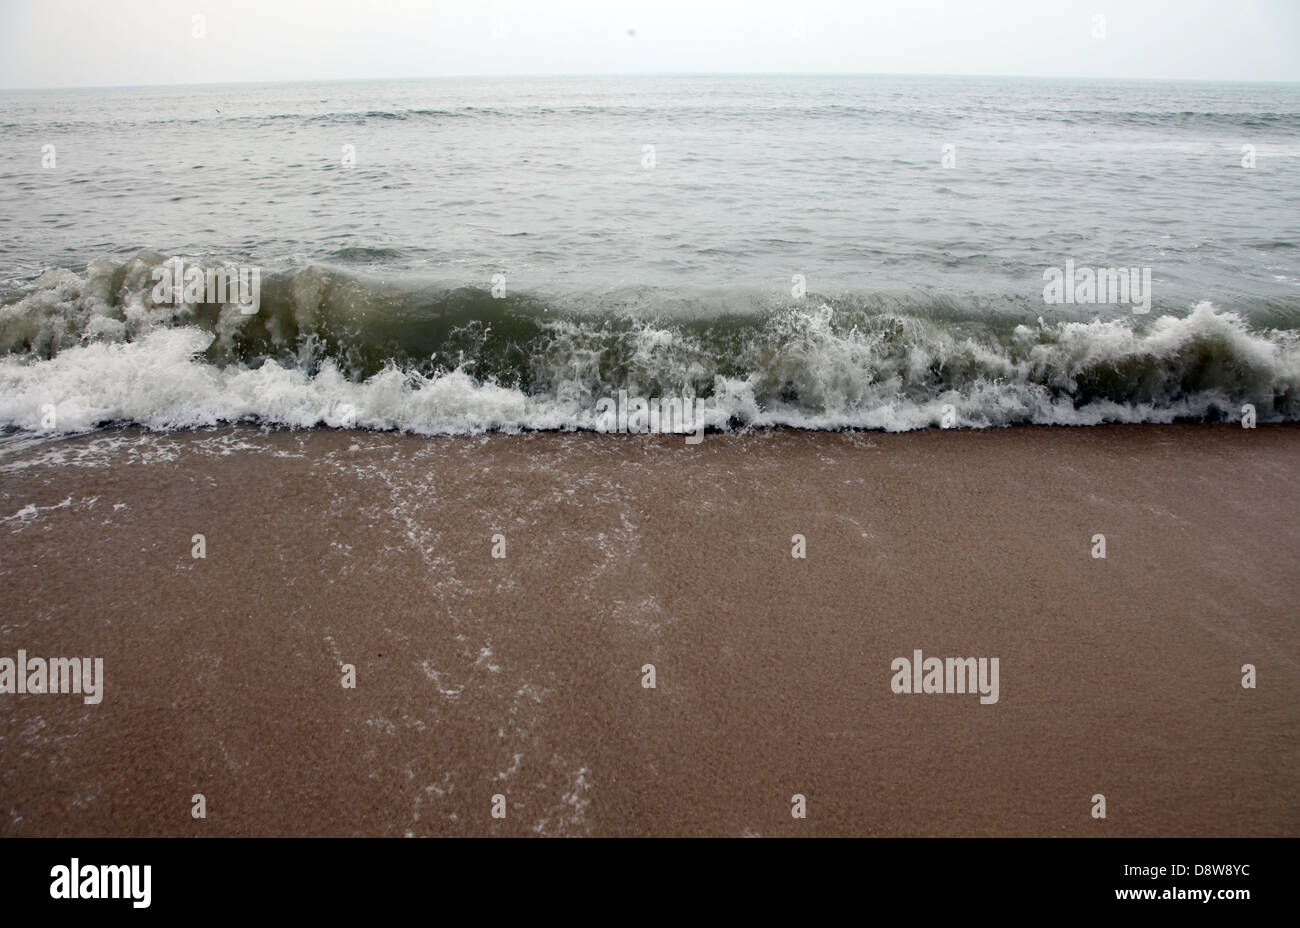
(639, 74)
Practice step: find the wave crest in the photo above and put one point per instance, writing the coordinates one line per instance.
(435, 359)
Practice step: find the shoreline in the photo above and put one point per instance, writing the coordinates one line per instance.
(11, 432)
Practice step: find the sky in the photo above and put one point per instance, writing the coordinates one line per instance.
(75, 43)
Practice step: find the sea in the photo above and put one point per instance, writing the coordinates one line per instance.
(453, 256)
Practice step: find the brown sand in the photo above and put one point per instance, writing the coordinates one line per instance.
(522, 676)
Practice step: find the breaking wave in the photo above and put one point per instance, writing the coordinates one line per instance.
(332, 348)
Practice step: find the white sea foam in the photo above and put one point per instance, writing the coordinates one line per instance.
(806, 369)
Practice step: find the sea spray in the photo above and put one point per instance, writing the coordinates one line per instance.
(87, 350)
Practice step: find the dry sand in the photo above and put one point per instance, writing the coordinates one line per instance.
(522, 676)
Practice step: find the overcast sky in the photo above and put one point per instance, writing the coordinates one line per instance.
(62, 43)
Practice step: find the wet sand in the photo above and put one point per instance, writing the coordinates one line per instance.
(522, 676)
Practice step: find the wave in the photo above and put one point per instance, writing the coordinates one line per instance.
(328, 347)
(1283, 123)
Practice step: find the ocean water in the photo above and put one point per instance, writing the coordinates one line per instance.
(450, 256)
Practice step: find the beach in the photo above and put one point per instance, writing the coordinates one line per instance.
(523, 675)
